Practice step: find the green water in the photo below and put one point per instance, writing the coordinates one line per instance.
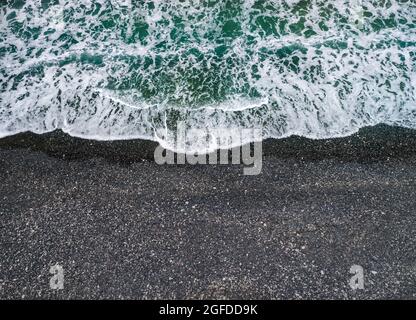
(118, 69)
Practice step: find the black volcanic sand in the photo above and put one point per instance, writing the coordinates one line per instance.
(124, 227)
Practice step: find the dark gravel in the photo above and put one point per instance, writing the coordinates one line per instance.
(124, 227)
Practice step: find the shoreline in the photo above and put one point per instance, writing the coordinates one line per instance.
(370, 143)
(124, 227)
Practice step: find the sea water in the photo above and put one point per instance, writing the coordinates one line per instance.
(108, 69)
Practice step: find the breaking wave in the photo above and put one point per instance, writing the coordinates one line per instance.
(125, 69)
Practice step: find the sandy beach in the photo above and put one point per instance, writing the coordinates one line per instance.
(122, 226)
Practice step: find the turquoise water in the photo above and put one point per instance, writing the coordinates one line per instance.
(125, 69)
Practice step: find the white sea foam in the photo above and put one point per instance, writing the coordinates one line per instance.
(110, 70)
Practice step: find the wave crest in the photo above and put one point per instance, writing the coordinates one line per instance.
(104, 70)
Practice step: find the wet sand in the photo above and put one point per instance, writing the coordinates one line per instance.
(124, 227)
